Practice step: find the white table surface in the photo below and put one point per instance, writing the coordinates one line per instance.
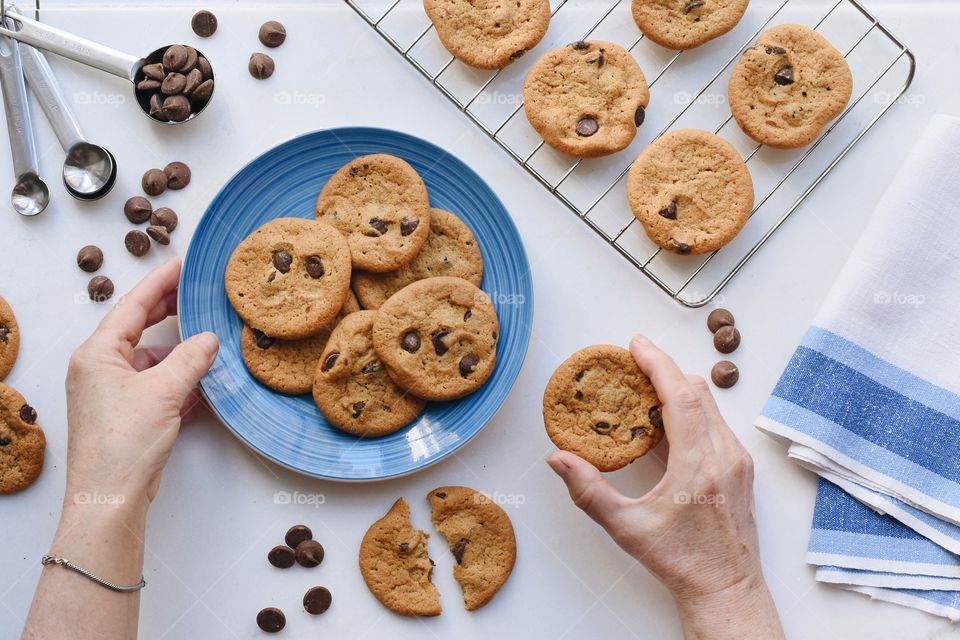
(216, 516)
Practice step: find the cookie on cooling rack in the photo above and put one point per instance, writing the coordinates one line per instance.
(685, 24)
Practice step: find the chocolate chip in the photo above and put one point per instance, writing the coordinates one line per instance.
(296, 534)
(404, 547)
(149, 84)
(726, 339)
(637, 432)
(656, 416)
(282, 261)
(408, 225)
(597, 60)
(138, 209)
(282, 557)
(100, 288)
(670, 211)
(314, 267)
(580, 45)
(271, 277)
(194, 80)
(441, 495)
(784, 75)
(175, 57)
(173, 84)
(261, 66)
(329, 361)
(639, 115)
(137, 243)
(372, 367)
(358, 408)
(317, 600)
(177, 108)
(204, 23)
(192, 57)
(725, 374)
(458, 550)
(153, 71)
(154, 182)
(4, 333)
(271, 620)
(262, 340)
(4, 441)
(693, 4)
(516, 55)
(719, 318)
(156, 107)
(410, 341)
(159, 234)
(437, 339)
(164, 217)
(205, 69)
(89, 259)
(28, 414)
(682, 247)
(272, 34)
(178, 175)
(202, 94)
(602, 427)
(309, 553)
(587, 126)
(468, 364)
(578, 395)
(467, 314)
(378, 225)
(776, 51)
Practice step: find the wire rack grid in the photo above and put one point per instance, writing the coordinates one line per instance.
(784, 179)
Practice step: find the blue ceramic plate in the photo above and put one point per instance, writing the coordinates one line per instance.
(291, 431)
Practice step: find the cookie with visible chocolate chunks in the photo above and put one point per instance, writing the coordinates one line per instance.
(685, 24)
(380, 204)
(9, 339)
(600, 406)
(352, 388)
(481, 539)
(22, 443)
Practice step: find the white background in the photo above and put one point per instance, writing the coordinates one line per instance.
(215, 517)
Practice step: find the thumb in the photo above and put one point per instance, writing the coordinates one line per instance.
(588, 488)
(187, 363)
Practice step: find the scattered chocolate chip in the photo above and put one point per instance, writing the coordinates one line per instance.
(272, 34)
(468, 364)
(271, 620)
(587, 126)
(138, 209)
(154, 182)
(173, 84)
(410, 341)
(100, 288)
(441, 495)
(4, 441)
(719, 318)
(638, 432)
(89, 259)
(358, 408)
(178, 175)
(580, 45)
(784, 75)
(693, 4)
(371, 367)
(458, 550)
(309, 553)
(261, 66)
(639, 115)
(317, 600)
(28, 414)
(725, 374)
(204, 23)
(437, 339)
(202, 94)
(602, 427)
(282, 261)
(656, 416)
(329, 361)
(378, 225)
(296, 534)
(516, 55)
(177, 108)
(159, 234)
(314, 267)
(149, 84)
(153, 71)
(282, 557)
(670, 211)
(175, 57)
(164, 217)
(776, 51)
(682, 247)
(137, 243)
(726, 339)
(156, 107)
(408, 225)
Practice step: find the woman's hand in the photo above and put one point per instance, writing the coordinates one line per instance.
(695, 529)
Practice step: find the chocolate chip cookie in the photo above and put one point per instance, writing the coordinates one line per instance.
(480, 537)
(788, 86)
(489, 34)
(380, 204)
(289, 278)
(396, 566)
(691, 191)
(586, 99)
(685, 24)
(9, 339)
(352, 388)
(22, 442)
(451, 250)
(438, 338)
(599, 405)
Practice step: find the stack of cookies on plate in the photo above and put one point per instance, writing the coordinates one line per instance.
(413, 327)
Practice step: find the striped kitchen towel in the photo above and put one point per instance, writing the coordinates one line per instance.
(870, 399)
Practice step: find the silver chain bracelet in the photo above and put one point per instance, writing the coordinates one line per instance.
(66, 564)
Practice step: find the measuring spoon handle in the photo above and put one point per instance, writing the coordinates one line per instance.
(19, 127)
(45, 87)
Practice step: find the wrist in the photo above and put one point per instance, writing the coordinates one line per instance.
(743, 609)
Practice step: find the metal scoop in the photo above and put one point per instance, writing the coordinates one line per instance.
(30, 194)
(89, 170)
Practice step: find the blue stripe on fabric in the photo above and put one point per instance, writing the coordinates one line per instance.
(865, 545)
(839, 511)
(872, 411)
(946, 598)
(941, 526)
(893, 377)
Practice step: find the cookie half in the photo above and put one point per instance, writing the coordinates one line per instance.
(22, 443)
(450, 250)
(9, 339)
(481, 539)
(396, 565)
(379, 202)
(691, 191)
(599, 405)
(438, 338)
(489, 34)
(290, 277)
(352, 388)
(788, 86)
(685, 24)
(586, 99)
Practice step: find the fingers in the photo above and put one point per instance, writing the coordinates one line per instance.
(588, 488)
(721, 434)
(147, 304)
(146, 357)
(187, 363)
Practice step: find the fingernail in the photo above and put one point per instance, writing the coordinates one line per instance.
(641, 341)
(208, 341)
(555, 461)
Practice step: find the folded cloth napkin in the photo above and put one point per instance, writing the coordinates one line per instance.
(871, 397)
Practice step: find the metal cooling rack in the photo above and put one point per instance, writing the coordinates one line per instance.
(693, 281)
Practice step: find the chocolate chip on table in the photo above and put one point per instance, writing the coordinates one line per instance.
(271, 620)
(154, 182)
(725, 374)
(296, 534)
(177, 108)
(693, 4)
(378, 225)
(639, 116)
(314, 267)
(670, 211)
(100, 288)
(164, 217)
(90, 258)
(282, 261)
(204, 23)
(178, 175)
(784, 75)
(329, 361)
(458, 550)
(719, 318)
(28, 414)
(272, 34)
(261, 66)
(437, 339)
(656, 416)
(137, 243)
(468, 363)
(726, 339)
(159, 234)
(408, 225)
(138, 209)
(262, 340)
(358, 408)
(317, 600)
(410, 341)
(587, 126)
(173, 84)
(282, 557)
(309, 553)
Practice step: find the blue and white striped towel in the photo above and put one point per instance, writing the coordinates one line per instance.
(870, 399)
